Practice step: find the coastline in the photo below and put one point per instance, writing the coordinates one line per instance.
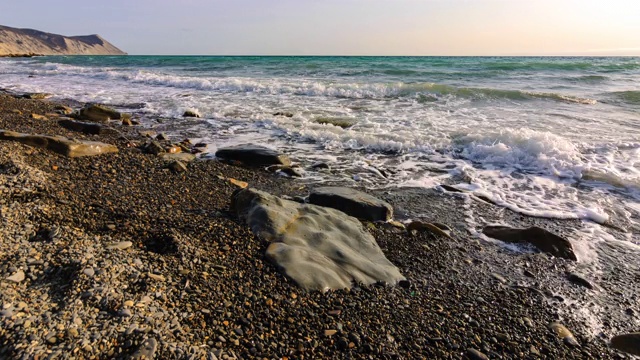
(218, 294)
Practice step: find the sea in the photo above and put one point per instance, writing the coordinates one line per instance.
(554, 137)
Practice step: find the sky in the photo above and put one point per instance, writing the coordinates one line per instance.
(342, 27)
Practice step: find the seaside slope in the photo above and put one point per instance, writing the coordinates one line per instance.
(15, 42)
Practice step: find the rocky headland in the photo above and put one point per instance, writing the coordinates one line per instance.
(117, 241)
(28, 42)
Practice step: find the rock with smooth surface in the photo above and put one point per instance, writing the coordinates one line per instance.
(191, 113)
(83, 127)
(17, 277)
(564, 334)
(319, 248)
(253, 155)
(61, 145)
(629, 343)
(540, 238)
(147, 350)
(98, 113)
(352, 202)
(183, 157)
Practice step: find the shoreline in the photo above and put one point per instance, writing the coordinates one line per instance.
(211, 289)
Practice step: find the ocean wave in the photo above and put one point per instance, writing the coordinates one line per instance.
(629, 97)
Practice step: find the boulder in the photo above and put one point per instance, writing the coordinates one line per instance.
(253, 155)
(61, 145)
(343, 122)
(191, 113)
(99, 113)
(629, 343)
(83, 127)
(540, 238)
(63, 110)
(319, 248)
(352, 202)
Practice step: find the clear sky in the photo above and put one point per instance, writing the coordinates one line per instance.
(342, 27)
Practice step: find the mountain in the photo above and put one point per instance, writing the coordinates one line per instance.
(16, 42)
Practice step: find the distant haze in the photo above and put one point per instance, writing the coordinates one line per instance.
(343, 27)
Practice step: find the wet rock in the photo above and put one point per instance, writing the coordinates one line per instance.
(319, 166)
(564, 334)
(35, 96)
(238, 183)
(191, 113)
(352, 202)
(147, 350)
(99, 113)
(450, 188)
(283, 113)
(542, 239)
(61, 145)
(319, 248)
(253, 155)
(579, 280)
(629, 343)
(83, 127)
(290, 171)
(154, 148)
(343, 122)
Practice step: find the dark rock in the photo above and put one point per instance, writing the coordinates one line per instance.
(352, 202)
(342, 122)
(177, 166)
(154, 148)
(450, 188)
(474, 354)
(629, 343)
(540, 238)
(83, 127)
(282, 113)
(319, 165)
(579, 280)
(253, 155)
(99, 113)
(191, 113)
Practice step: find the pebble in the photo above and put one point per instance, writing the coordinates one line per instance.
(120, 245)
(476, 355)
(330, 332)
(147, 350)
(89, 271)
(155, 277)
(17, 277)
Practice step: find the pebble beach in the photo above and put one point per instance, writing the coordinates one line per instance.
(118, 255)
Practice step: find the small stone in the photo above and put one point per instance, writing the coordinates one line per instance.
(17, 277)
(156, 277)
(476, 355)
(72, 332)
(177, 166)
(125, 313)
(52, 340)
(162, 137)
(38, 117)
(564, 334)
(238, 183)
(89, 271)
(147, 350)
(128, 303)
(330, 332)
(120, 245)
(579, 280)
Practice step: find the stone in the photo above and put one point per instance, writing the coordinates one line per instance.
(89, 272)
(563, 333)
(183, 157)
(99, 113)
(579, 280)
(352, 202)
(38, 117)
(120, 245)
(425, 226)
(35, 96)
(127, 122)
(147, 350)
(63, 110)
(83, 127)
(290, 171)
(61, 145)
(629, 343)
(283, 113)
(319, 166)
(343, 122)
(542, 239)
(330, 332)
(253, 155)
(155, 277)
(319, 248)
(238, 183)
(154, 148)
(476, 355)
(177, 166)
(191, 113)
(17, 277)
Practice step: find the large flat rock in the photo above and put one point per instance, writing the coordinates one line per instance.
(83, 127)
(99, 113)
(540, 238)
(253, 155)
(61, 145)
(353, 202)
(319, 248)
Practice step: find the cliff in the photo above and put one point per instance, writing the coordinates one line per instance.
(16, 42)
